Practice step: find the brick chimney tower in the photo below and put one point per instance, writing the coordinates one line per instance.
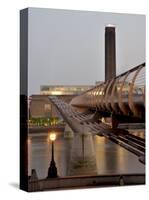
(110, 52)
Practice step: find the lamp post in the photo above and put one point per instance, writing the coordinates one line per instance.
(52, 171)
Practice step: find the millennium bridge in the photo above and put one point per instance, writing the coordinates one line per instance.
(123, 95)
(121, 98)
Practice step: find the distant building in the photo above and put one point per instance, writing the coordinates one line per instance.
(40, 105)
(63, 90)
(98, 82)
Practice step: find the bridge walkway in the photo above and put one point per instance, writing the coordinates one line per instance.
(81, 122)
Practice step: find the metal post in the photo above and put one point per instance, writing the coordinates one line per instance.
(83, 146)
(52, 157)
(52, 171)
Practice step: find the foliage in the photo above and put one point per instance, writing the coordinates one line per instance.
(46, 121)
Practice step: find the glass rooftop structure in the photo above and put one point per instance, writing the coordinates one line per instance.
(64, 89)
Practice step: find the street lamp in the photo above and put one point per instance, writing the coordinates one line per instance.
(52, 171)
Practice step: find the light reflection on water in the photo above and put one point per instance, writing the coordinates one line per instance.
(110, 158)
(138, 133)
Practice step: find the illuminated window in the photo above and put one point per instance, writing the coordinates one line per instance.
(47, 107)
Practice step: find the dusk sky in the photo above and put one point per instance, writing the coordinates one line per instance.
(67, 47)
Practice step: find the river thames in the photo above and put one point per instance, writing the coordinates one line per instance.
(109, 157)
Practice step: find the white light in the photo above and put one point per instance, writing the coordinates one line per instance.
(110, 25)
(100, 93)
(56, 93)
(52, 136)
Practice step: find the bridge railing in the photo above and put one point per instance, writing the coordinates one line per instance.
(124, 94)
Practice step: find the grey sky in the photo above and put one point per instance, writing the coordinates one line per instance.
(67, 47)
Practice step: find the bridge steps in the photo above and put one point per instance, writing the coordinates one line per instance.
(134, 144)
(128, 147)
(136, 138)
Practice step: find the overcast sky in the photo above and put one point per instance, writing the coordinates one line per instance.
(67, 47)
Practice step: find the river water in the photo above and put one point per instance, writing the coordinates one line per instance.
(109, 157)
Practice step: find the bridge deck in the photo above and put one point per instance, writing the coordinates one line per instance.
(82, 122)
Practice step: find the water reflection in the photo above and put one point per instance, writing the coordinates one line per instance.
(110, 158)
(138, 133)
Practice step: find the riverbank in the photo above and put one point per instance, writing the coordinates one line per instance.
(84, 181)
(43, 129)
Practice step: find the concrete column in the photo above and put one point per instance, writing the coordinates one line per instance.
(68, 133)
(83, 160)
(110, 54)
(114, 121)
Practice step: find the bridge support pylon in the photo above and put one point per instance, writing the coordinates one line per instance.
(83, 160)
(68, 133)
(114, 121)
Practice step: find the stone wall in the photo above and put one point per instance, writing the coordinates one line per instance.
(86, 182)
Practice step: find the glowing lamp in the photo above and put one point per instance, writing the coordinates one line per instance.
(52, 136)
